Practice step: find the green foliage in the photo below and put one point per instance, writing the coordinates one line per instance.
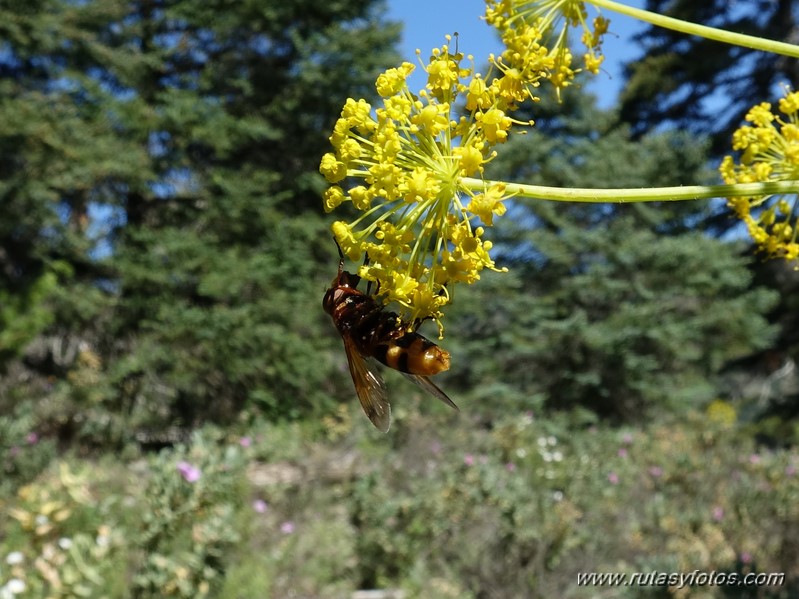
(244, 340)
(521, 509)
(23, 454)
(438, 507)
(61, 544)
(168, 156)
(667, 85)
(24, 315)
(187, 525)
(623, 310)
(313, 553)
(162, 261)
(153, 531)
(174, 175)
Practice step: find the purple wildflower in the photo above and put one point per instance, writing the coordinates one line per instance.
(189, 472)
(287, 527)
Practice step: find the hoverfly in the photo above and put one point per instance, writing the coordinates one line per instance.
(369, 332)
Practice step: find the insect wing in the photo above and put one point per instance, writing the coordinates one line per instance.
(369, 386)
(429, 386)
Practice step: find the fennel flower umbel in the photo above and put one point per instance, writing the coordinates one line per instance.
(769, 149)
(536, 37)
(402, 167)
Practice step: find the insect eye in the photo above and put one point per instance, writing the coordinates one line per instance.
(328, 302)
(349, 280)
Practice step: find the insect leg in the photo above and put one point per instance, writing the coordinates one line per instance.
(368, 283)
(340, 257)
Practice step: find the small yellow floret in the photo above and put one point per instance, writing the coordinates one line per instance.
(333, 170)
(495, 125)
(770, 149)
(346, 240)
(536, 35)
(486, 205)
(333, 197)
(393, 80)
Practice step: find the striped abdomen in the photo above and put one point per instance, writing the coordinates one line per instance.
(412, 353)
(380, 334)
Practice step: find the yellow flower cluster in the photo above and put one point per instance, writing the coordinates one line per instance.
(402, 167)
(536, 37)
(769, 152)
(721, 413)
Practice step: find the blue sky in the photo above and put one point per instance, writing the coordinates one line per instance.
(427, 21)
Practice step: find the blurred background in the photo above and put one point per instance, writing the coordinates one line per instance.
(176, 415)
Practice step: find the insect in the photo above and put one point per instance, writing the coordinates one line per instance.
(369, 332)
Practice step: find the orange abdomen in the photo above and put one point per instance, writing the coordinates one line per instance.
(414, 354)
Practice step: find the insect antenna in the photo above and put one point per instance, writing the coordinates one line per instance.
(340, 256)
(368, 283)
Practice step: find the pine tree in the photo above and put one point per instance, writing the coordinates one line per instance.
(623, 310)
(705, 88)
(702, 86)
(169, 153)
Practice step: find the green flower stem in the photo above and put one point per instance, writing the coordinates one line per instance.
(651, 194)
(719, 35)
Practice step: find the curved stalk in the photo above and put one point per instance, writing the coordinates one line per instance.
(719, 35)
(653, 194)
